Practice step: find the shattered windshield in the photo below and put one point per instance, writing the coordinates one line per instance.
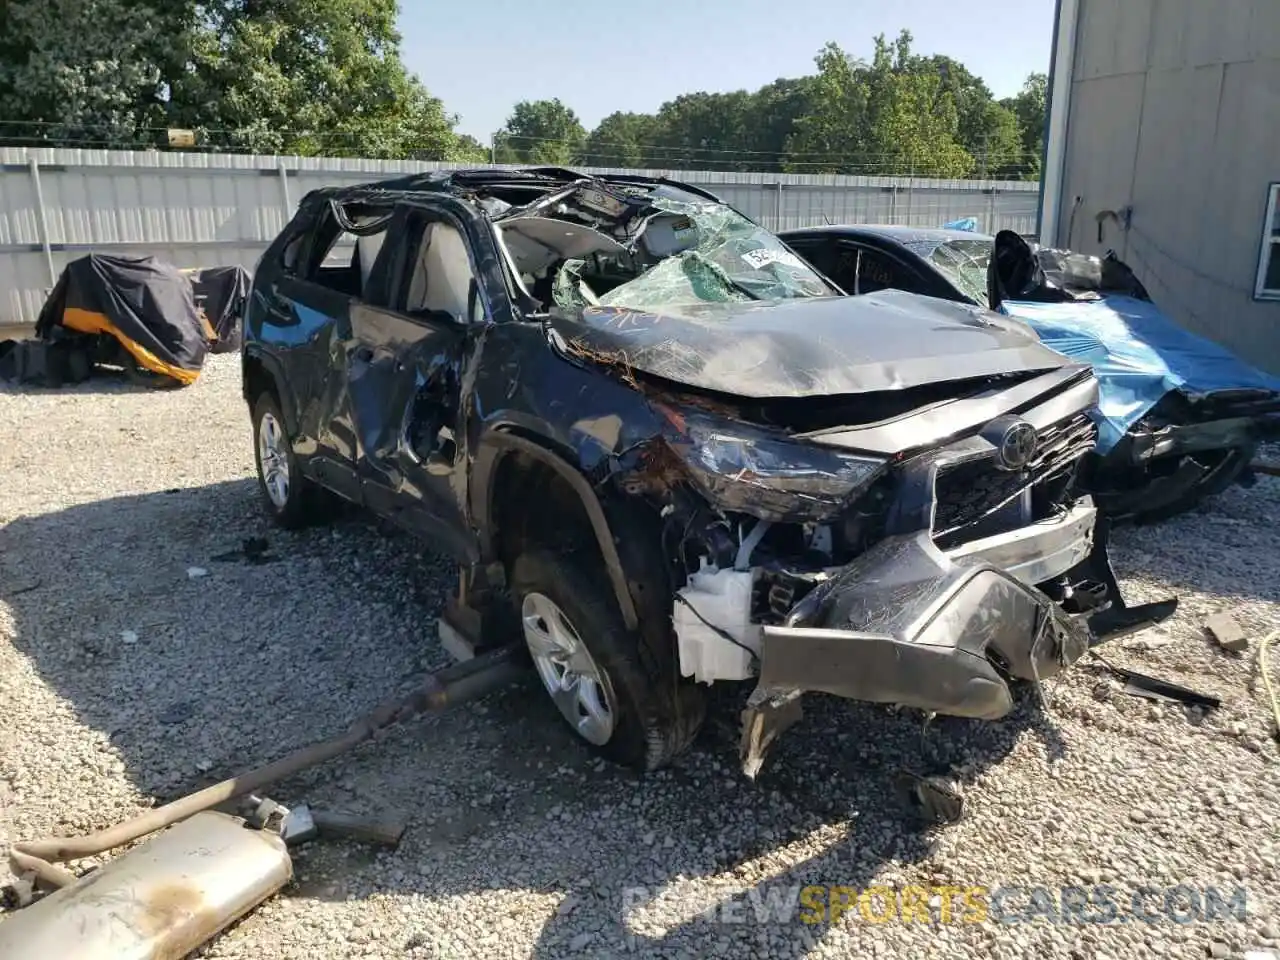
(726, 257)
(647, 250)
(964, 262)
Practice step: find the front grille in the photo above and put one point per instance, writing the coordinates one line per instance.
(974, 499)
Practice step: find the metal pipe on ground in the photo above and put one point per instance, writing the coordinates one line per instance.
(447, 688)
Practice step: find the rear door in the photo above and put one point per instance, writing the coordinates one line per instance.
(311, 300)
(404, 375)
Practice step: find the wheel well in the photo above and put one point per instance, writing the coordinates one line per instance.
(533, 504)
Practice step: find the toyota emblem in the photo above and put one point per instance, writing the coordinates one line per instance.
(1017, 445)
(1015, 441)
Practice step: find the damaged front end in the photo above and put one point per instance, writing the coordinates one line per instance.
(874, 497)
(931, 579)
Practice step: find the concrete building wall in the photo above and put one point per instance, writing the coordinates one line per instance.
(1174, 125)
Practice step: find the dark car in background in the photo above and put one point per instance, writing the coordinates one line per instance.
(666, 452)
(1180, 416)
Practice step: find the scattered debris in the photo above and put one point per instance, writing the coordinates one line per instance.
(931, 798)
(18, 892)
(1224, 629)
(251, 550)
(1153, 688)
(23, 586)
(195, 573)
(386, 831)
(175, 713)
(128, 636)
(298, 826)
(1152, 640)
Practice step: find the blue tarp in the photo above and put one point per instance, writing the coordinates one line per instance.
(968, 224)
(1138, 355)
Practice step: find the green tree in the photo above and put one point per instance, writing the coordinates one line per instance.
(309, 76)
(911, 122)
(1029, 106)
(73, 71)
(622, 140)
(1000, 150)
(771, 119)
(705, 131)
(829, 137)
(541, 132)
(304, 76)
(469, 150)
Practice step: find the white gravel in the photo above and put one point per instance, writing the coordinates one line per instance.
(125, 681)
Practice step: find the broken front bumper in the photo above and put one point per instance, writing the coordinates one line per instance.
(1040, 551)
(907, 624)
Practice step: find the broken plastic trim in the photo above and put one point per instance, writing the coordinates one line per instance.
(767, 476)
(361, 227)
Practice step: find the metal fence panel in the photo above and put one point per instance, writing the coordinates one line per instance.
(198, 210)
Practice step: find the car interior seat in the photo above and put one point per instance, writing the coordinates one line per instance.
(442, 279)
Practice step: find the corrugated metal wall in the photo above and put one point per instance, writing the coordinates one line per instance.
(1174, 127)
(213, 209)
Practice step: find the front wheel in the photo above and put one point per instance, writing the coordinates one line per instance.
(590, 665)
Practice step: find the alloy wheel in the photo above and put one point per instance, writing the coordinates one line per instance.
(579, 688)
(273, 455)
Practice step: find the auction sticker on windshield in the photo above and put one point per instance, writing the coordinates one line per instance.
(759, 259)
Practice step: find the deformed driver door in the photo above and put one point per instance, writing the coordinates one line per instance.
(404, 375)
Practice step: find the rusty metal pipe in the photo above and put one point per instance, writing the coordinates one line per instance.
(446, 688)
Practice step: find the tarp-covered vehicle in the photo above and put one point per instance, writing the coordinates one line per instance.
(667, 451)
(1180, 416)
(137, 313)
(220, 294)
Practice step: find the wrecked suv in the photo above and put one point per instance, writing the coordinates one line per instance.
(667, 452)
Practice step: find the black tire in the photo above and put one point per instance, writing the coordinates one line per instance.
(658, 713)
(301, 506)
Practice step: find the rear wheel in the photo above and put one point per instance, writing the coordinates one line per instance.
(290, 498)
(590, 665)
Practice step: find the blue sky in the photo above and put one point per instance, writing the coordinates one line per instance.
(482, 57)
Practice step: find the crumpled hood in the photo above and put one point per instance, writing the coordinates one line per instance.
(812, 347)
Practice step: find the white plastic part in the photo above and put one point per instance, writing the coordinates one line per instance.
(721, 598)
(749, 543)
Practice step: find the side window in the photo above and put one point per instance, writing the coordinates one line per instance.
(837, 261)
(342, 255)
(1267, 286)
(844, 271)
(438, 280)
(879, 271)
(823, 255)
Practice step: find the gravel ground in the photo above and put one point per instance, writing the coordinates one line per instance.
(125, 682)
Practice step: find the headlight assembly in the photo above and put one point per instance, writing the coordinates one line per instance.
(749, 470)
